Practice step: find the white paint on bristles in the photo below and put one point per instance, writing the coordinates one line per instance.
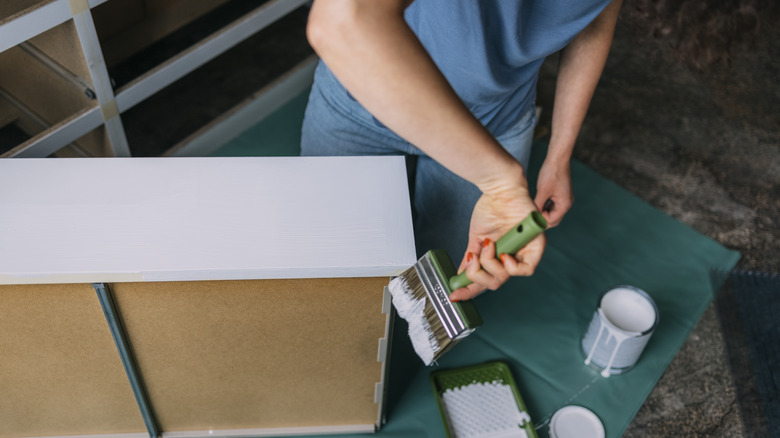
(412, 310)
(484, 410)
(177, 219)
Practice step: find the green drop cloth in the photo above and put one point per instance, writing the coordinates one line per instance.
(535, 324)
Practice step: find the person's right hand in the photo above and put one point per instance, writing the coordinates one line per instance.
(497, 211)
(554, 195)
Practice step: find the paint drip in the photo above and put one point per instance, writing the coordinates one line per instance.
(622, 324)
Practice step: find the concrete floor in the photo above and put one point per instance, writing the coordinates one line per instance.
(705, 149)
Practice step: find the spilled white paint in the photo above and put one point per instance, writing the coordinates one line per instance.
(613, 336)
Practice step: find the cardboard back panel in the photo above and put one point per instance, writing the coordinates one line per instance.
(60, 373)
(257, 353)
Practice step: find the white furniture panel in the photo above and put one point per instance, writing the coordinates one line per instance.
(164, 219)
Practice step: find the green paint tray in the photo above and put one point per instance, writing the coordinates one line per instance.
(481, 401)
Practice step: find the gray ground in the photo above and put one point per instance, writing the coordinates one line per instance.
(705, 149)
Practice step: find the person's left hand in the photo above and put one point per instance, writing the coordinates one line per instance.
(554, 195)
(494, 214)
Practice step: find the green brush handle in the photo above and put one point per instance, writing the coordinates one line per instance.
(509, 243)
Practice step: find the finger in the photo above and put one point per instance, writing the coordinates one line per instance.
(548, 207)
(466, 293)
(540, 199)
(467, 259)
(478, 275)
(473, 268)
(510, 263)
(556, 214)
(516, 266)
(529, 257)
(474, 289)
(553, 218)
(492, 265)
(474, 247)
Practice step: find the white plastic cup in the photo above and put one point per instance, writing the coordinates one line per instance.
(575, 422)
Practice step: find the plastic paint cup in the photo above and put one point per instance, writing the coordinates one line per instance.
(575, 422)
(622, 324)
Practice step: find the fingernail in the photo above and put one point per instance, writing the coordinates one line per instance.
(485, 243)
(469, 257)
(454, 300)
(502, 256)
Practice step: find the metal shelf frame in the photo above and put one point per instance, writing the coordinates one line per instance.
(35, 20)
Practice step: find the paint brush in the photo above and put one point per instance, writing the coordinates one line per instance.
(421, 294)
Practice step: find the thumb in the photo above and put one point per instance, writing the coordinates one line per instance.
(546, 206)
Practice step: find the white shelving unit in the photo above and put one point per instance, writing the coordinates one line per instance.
(55, 85)
(198, 297)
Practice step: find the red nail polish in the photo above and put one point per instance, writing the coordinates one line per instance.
(469, 257)
(454, 300)
(485, 243)
(502, 256)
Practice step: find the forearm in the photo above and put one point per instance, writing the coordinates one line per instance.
(581, 65)
(376, 56)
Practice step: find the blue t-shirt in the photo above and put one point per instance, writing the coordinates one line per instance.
(490, 51)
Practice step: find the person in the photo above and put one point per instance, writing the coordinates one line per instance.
(452, 82)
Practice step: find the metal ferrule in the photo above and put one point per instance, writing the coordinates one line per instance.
(440, 298)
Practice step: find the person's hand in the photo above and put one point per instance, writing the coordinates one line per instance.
(553, 191)
(496, 212)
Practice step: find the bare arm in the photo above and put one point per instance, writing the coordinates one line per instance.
(580, 68)
(376, 56)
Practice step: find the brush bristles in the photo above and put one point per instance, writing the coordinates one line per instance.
(442, 341)
(426, 331)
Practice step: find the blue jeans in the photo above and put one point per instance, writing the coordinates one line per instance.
(336, 124)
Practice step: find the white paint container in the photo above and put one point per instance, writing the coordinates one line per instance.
(622, 324)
